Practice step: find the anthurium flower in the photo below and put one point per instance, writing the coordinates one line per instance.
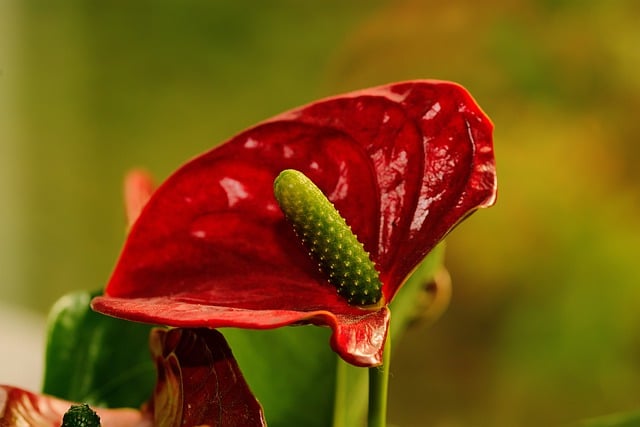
(402, 163)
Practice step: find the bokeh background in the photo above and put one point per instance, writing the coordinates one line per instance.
(544, 324)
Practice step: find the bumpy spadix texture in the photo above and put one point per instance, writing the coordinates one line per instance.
(80, 416)
(339, 254)
(402, 163)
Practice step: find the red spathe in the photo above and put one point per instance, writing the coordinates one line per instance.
(402, 163)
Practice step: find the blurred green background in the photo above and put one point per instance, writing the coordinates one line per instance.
(544, 325)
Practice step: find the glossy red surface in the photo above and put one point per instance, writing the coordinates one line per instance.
(403, 164)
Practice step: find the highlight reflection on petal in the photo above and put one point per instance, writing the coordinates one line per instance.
(402, 163)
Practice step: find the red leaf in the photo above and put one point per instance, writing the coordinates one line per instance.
(199, 382)
(403, 164)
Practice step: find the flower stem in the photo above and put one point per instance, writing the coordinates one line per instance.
(340, 406)
(351, 395)
(378, 389)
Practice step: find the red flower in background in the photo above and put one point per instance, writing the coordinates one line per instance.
(402, 163)
(19, 407)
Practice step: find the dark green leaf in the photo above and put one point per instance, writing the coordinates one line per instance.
(291, 371)
(96, 359)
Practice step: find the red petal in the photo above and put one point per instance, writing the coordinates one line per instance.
(402, 163)
(138, 187)
(199, 381)
(358, 337)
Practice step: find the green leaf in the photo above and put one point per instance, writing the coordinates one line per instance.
(290, 370)
(408, 304)
(96, 359)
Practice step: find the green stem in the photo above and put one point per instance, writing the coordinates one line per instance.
(340, 406)
(351, 394)
(378, 389)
